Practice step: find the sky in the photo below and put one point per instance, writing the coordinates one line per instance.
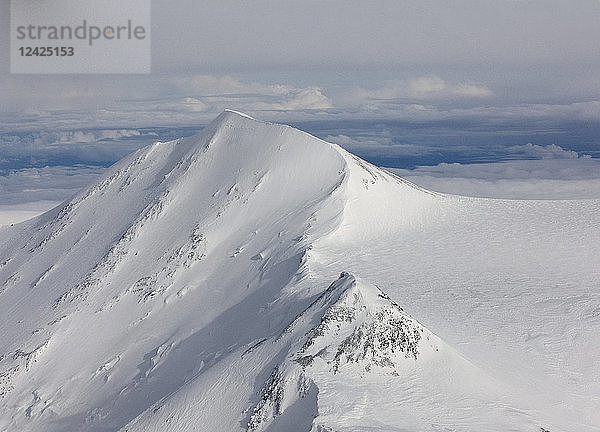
(461, 75)
(385, 58)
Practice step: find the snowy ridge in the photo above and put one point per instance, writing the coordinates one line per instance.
(361, 330)
(373, 330)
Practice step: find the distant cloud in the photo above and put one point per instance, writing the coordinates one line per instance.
(417, 89)
(575, 169)
(50, 184)
(375, 145)
(64, 102)
(529, 179)
(69, 147)
(193, 104)
(434, 86)
(80, 137)
(217, 93)
(551, 151)
(309, 98)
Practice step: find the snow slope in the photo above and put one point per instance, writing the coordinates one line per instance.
(197, 286)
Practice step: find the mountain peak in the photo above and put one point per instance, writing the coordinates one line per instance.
(239, 113)
(169, 240)
(230, 119)
(191, 286)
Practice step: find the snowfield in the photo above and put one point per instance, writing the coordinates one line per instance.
(255, 278)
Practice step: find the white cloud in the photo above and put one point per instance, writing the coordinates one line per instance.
(212, 85)
(430, 110)
(193, 104)
(195, 99)
(524, 179)
(303, 99)
(380, 144)
(417, 89)
(50, 184)
(82, 137)
(69, 147)
(227, 92)
(471, 90)
(551, 151)
(433, 86)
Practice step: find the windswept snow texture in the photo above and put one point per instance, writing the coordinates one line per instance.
(197, 286)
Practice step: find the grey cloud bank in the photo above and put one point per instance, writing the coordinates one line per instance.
(460, 32)
(297, 59)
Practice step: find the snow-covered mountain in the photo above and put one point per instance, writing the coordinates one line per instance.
(255, 278)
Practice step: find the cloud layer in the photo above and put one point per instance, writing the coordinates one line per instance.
(420, 89)
(64, 102)
(48, 185)
(70, 147)
(575, 178)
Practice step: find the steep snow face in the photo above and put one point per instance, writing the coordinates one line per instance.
(190, 289)
(183, 241)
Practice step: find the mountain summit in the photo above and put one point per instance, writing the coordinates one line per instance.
(197, 286)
